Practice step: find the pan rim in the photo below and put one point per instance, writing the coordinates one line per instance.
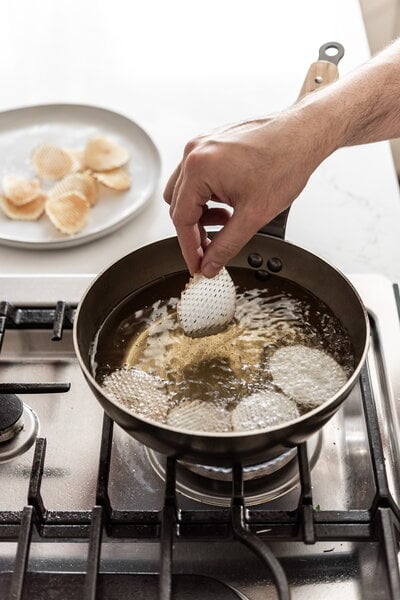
(237, 434)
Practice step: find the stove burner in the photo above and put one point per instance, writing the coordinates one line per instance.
(263, 482)
(249, 472)
(11, 408)
(19, 427)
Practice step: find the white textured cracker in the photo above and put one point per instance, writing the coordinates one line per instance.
(197, 415)
(263, 409)
(142, 393)
(207, 306)
(309, 375)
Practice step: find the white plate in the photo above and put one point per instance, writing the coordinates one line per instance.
(71, 125)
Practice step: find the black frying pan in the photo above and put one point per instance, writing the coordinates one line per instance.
(152, 264)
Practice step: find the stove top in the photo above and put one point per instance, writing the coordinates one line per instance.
(88, 512)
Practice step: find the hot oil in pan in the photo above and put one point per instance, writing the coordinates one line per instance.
(222, 382)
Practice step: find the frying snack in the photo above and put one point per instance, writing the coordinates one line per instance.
(207, 305)
(116, 179)
(196, 415)
(142, 393)
(310, 376)
(263, 409)
(20, 191)
(68, 212)
(76, 182)
(101, 154)
(51, 162)
(31, 211)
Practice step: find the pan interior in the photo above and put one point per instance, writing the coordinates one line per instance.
(204, 380)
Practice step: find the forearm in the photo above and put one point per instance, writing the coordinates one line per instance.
(260, 167)
(364, 106)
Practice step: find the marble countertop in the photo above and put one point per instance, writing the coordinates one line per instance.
(180, 68)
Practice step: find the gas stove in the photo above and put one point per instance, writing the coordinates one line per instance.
(88, 512)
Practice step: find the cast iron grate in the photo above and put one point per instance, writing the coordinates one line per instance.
(380, 523)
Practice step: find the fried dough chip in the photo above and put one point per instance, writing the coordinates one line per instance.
(31, 211)
(263, 409)
(83, 183)
(68, 212)
(140, 392)
(116, 179)
(196, 415)
(308, 375)
(101, 154)
(20, 191)
(52, 162)
(77, 159)
(207, 306)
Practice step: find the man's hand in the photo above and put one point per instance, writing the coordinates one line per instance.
(258, 168)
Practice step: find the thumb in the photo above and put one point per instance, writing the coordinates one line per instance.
(228, 242)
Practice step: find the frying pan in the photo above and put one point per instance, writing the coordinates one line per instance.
(267, 252)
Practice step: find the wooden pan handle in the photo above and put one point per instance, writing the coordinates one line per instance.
(322, 72)
(325, 70)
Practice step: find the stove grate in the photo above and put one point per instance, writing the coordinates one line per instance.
(380, 523)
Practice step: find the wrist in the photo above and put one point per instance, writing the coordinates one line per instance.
(362, 107)
(322, 125)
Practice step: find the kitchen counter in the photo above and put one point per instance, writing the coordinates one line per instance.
(181, 68)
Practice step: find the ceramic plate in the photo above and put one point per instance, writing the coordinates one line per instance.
(71, 125)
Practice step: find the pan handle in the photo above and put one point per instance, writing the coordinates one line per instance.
(322, 72)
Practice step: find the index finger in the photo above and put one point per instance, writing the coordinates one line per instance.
(191, 245)
(186, 216)
(169, 188)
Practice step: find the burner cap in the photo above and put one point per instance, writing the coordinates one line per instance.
(11, 408)
(20, 436)
(262, 483)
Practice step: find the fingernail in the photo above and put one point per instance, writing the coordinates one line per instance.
(211, 269)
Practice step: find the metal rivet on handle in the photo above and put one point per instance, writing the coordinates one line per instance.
(274, 264)
(255, 260)
(318, 79)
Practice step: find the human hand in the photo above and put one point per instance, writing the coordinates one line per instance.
(257, 168)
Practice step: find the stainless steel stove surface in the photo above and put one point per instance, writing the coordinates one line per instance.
(85, 511)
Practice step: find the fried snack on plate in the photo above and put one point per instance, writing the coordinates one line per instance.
(83, 183)
(77, 159)
(116, 179)
(20, 191)
(31, 211)
(52, 162)
(101, 154)
(68, 212)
